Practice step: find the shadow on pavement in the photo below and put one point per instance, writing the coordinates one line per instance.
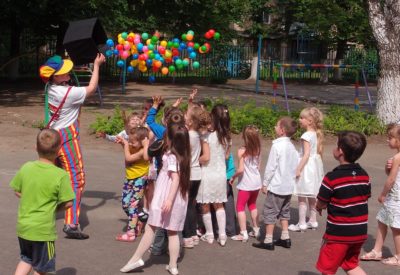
(307, 273)
(370, 242)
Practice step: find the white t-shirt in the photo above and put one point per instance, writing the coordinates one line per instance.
(195, 169)
(69, 113)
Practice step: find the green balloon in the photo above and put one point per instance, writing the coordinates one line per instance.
(170, 44)
(184, 37)
(178, 62)
(124, 35)
(217, 35)
(176, 45)
(179, 66)
(171, 68)
(196, 65)
(190, 32)
(150, 47)
(196, 46)
(154, 39)
(145, 36)
(203, 48)
(152, 55)
(185, 62)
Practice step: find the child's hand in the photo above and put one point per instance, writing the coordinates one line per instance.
(101, 135)
(156, 101)
(145, 142)
(231, 181)
(319, 210)
(167, 205)
(298, 173)
(264, 190)
(192, 95)
(389, 164)
(382, 198)
(177, 102)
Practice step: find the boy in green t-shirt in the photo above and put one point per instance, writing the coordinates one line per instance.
(43, 189)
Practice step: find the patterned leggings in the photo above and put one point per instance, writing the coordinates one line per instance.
(132, 193)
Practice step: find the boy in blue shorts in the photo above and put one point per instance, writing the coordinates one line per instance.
(43, 188)
(344, 192)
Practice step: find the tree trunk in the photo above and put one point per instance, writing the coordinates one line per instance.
(340, 52)
(388, 105)
(384, 19)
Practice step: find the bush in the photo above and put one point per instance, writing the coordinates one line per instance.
(336, 119)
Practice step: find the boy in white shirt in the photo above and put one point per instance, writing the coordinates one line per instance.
(278, 184)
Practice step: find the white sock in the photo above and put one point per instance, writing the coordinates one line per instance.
(268, 239)
(244, 234)
(173, 247)
(145, 243)
(208, 223)
(313, 211)
(221, 220)
(285, 235)
(302, 213)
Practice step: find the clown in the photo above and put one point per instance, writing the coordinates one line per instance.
(64, 104)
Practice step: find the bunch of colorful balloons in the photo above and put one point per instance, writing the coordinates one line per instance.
(150, 53)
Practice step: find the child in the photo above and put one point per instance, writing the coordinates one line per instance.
(309, 172)
(344, 192)
(132, 121)
(137, 169)
(212, 188)
(169, 204)
(278, 184)
(196, 120)
(43, 189)
(389, 214)
(249, 183)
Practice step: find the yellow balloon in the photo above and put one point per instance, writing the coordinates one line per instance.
(148, 41)
(163, 43)
(121, 41)
(134, 63)
(131, 34)
(119, 35)
(168, 54)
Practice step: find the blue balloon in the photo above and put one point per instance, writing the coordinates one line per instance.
(149, 62)
(152, 78)
(190, 49)
(120, 63)
(157, 56)
(130, 69)
(110, 43)
(182, 45)
(192, 55)
(176, 40)
(162, 60)
(135, 56)
(175, 58)
(109, 53)
(139, 46)
(115, 52)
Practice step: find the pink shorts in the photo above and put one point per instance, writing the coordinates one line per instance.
(246, 197)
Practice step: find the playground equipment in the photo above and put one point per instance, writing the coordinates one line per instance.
(279, 70)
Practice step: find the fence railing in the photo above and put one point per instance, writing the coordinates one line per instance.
(223, 62)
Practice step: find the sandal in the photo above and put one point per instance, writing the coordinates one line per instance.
(126, 237)
(371, 256)
(240, 237)
(393, 261)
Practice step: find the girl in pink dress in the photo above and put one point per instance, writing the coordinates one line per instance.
(169, 203)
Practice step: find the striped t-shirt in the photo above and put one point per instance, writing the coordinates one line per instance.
(346, 190)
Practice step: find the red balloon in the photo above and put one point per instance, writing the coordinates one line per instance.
(190, 44)
(175, 52)
(161, 50)
(207, 35)
(207, 45)
(211, 31)
(130, 38)
(142, 57)
(119, 47)
(155, 69)
(168, 60)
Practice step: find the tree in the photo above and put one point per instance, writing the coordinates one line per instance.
(384, 19)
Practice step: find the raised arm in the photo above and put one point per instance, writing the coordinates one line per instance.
(94, 80)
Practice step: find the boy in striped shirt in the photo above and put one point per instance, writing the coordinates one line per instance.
(344, 193)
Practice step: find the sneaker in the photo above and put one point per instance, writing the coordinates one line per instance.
(207, 238)
(298, 227)
(240, 237)
(312, 225)
(172, 270)
(131, 266)
(74, 232)
(255, 233)
(143, 216)
(196, 240)
(222, 240)
(188, 243)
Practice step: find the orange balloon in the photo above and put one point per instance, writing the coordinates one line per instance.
(157, 64)
(164, 70)
(189, 37)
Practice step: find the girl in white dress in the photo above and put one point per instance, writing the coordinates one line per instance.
(169, 204)
(389, 214)
(309, 172)
(212, 190)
